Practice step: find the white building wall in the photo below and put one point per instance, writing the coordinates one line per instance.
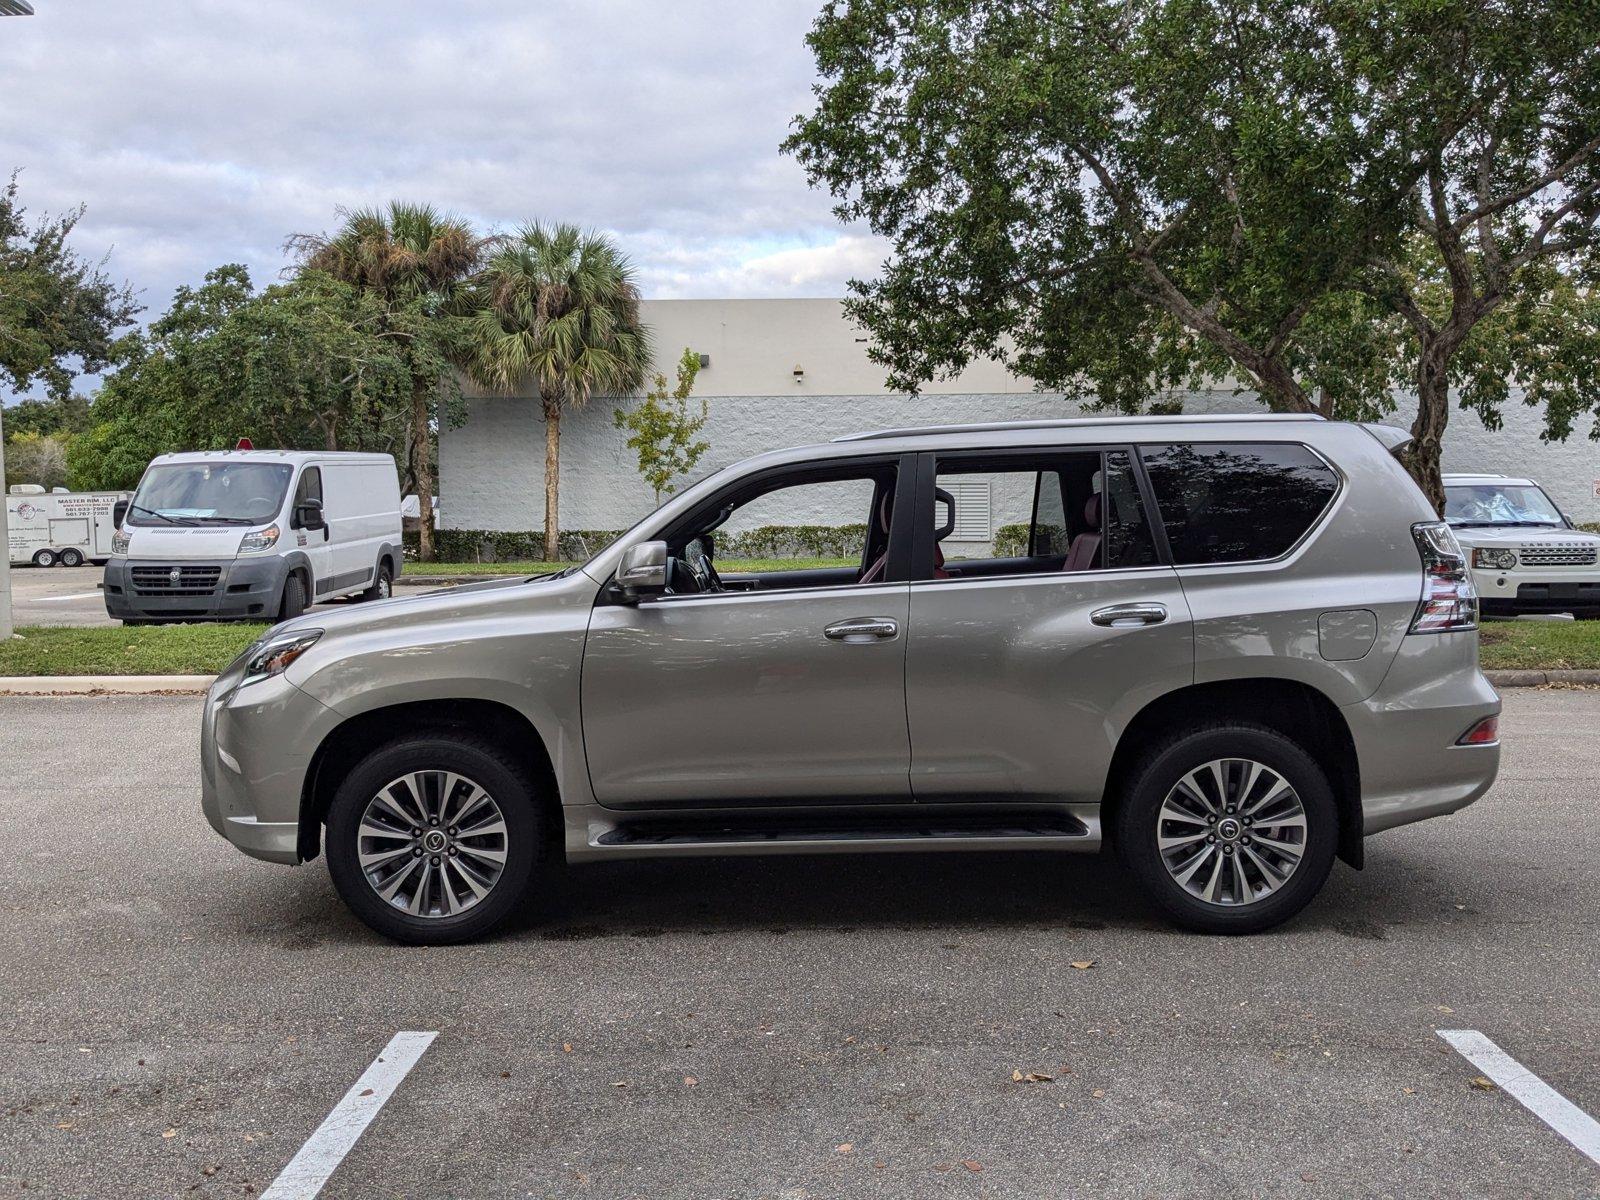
(491, 468)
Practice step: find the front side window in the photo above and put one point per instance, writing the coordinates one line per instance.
(807, 529)
(1225, 503)
(1485, 504)
(207, 493)
(310, 487)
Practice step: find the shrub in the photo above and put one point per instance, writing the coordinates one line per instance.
(1011, 541)
(527, 545)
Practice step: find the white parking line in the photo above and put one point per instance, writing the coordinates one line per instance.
(325, 1149)
(74, 596)
(1537, 1096)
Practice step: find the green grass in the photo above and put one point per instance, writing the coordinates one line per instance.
(731, 566)
(141, 650)
(1540, 645)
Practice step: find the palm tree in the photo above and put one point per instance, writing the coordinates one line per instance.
(417, 262)
(558, 308)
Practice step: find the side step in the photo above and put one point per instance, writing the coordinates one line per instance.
(778, 833)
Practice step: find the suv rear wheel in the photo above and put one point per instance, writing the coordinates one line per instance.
(1231, 828)
(434, 839)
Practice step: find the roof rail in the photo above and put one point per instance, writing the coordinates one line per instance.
(1078, 423)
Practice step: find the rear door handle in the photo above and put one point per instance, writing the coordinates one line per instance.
(862, 629)
(1125, 615)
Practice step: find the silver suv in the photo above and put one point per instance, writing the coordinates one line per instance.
(1230, 647)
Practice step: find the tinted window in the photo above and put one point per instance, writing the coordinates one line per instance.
(1128, 542)
(1233, 503)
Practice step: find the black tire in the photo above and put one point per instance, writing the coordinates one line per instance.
(382, 583)
(1158, 770)
(71, 557)
(44, 558)
(479, 760)
(294, 598)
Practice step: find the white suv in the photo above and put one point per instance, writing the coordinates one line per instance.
(1525, 555)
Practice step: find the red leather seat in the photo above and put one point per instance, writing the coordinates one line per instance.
(1085, 548)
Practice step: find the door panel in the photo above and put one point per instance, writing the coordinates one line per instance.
(1014, 692)
(742, 698)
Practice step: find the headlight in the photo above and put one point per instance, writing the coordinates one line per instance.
(119, 542)
(261, 539)
(1494, 560)
(273, 654)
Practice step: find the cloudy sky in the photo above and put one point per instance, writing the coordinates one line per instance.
(202, 133)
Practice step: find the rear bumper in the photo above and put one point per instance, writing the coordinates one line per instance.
(1405, 734)
(245, 589)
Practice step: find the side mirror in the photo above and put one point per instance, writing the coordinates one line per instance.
(119, 512)
(643, 569)
(308, 514)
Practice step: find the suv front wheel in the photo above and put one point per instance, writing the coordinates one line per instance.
(1231, 828)
(434, 839)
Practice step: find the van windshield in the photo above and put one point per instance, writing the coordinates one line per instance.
(210, 493)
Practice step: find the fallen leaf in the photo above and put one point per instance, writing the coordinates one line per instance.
(1409, 1091)
(1083, 966)
(1098, 1093)
(1307, 1177)
(972, 1165)
(1445, 1008)
(690, 1081)
(845, 1147)
(1016, 1077)
(64, 1125)
(1031, 1077)
(566, 1047)
(942, 1166)
(171, 1133)
(505, 1074)
(366, 1091)
(880, 1166)
(1482, 1084)
(620, 1083)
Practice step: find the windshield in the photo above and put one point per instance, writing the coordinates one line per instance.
(210, 493)
(1499, 504)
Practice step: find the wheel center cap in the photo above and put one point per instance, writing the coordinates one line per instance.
(434, 841)
(1228, 829)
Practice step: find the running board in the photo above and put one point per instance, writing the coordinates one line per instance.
(1053, 829)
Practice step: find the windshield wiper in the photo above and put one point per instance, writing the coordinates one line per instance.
(162, 515)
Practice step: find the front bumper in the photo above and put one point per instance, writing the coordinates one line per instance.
(257, 744)
(1525, 590)
(240, 589)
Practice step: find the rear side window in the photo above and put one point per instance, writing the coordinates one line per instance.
(1234, 503)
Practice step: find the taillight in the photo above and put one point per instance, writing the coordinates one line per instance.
(1449, 601)
(1485, 733)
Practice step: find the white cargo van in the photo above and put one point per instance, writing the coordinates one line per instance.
(69, 528)
(254, 535)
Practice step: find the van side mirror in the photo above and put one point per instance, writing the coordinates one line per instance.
(308, 514)
(643, 570)
(119, 512)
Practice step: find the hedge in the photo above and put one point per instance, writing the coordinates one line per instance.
(576, 545)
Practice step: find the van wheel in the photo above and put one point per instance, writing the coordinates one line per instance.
(434, 839)
(294, 598)
(71, 558)
(45, 558)
(1231, 828)
(382, 584)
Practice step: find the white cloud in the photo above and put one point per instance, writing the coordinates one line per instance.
(202, 134)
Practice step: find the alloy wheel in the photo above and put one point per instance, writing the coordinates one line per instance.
(1231, 832)
(432, 844)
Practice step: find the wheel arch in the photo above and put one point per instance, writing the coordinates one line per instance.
(356, 736)
(1297, 710)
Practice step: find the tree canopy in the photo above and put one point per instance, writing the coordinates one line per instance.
(1124, 198)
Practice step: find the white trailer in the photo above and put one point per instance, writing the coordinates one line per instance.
(70, 528)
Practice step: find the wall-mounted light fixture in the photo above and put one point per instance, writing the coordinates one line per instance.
(799, 373)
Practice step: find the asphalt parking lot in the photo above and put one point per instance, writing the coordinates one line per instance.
(178, 1020)
(71, 595)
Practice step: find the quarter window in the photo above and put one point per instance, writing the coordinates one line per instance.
(1226, 503)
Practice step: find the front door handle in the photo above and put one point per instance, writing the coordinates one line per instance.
(1125, 615)
(862, 629)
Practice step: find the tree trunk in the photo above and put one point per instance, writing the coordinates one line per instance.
(1422, 456)
(422, 469)
(552, 478)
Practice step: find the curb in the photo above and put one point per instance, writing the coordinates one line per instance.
(105, 685)
(1543, 678)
